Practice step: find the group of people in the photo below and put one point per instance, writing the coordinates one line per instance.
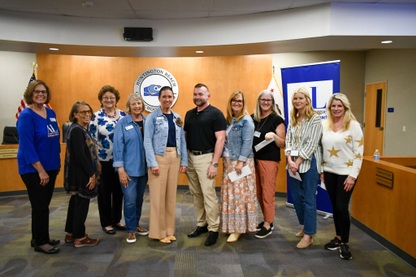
(114, 155)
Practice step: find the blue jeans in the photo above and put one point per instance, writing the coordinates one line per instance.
(133, 201)
(304, 197)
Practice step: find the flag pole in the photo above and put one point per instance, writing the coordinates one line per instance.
(277, 84)
(34, 68)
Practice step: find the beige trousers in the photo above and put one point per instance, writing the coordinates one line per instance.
(203, 191)
(162, 192)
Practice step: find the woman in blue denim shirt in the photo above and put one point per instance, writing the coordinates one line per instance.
(130, 163)
(238, 197)
(165, 146)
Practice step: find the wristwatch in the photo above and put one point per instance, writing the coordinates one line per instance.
(215, 165)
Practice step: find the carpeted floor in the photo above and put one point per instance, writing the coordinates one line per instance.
(275, 255)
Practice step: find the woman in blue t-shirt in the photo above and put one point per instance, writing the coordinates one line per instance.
(39, 160)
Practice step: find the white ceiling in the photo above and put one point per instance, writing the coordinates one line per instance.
(192, 10)
(165, 9)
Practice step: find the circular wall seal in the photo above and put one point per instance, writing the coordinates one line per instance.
(148, 84)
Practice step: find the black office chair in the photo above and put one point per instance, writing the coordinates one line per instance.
(65, 128)
(10, 135)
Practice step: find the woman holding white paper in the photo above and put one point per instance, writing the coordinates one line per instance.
(238, 197)
(304, 157)
(269, 137)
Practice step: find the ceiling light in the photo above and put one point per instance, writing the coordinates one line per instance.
(88, 4)
(386, 41)
(53, 49)
(199, 51)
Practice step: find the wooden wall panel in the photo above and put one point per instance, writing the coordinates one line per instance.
(75, 78)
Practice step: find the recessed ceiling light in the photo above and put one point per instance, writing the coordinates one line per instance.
(199, 52)
(88, 4)
(387, 41)
(53, 49)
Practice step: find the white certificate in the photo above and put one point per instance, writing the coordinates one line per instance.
(244, 172)
(295, 176)
(262, 144)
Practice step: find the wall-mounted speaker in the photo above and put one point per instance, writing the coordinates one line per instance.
(138, 34)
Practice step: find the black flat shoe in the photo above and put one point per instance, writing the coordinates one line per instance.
(51, 251)
(51, 242)
(119, 227)
(54, 241)
(110, 232)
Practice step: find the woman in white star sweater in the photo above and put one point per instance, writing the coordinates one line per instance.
(342, 145)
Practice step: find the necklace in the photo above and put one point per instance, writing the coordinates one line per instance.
(261, 126)
(111, 116)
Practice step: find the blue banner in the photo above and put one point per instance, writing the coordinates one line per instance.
(322, 80)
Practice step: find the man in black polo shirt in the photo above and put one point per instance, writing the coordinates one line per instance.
(204, 128)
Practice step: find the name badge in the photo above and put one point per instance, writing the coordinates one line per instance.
(129, 127)
(294, 153)
(257, 134)
(53, 119)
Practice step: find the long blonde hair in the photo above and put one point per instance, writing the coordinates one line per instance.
(309, 111)
(348, 115)
(257, 111)
(243, 111)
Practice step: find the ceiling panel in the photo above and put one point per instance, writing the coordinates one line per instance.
(165, 9)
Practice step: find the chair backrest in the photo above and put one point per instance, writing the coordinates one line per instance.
(10, 135)
(65, 127)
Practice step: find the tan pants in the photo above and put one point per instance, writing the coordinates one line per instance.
(203, 190)
(266, 174)
(162, 191)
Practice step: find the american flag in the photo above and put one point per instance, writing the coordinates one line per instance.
(23, 104)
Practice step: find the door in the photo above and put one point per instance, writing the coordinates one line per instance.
(375, 102)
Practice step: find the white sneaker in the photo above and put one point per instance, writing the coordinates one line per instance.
(131, 238)
(142, 231)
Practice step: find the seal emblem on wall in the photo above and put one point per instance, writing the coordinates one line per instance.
(148, 84)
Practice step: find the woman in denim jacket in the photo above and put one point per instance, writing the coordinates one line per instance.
(166, 156)
(238, 196)
(130, 163)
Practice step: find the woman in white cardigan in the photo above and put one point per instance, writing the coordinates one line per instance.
(343, 145)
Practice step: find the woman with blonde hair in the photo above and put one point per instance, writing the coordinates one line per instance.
(269, 126)
(130, 163)
(303, 162)
(238, 197)
(343, 147)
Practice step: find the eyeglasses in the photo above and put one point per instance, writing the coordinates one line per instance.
(40, 92)
(85, 112)
(266, 100)
(109, 98)
(237, 101)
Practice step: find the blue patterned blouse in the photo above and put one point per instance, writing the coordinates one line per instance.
(102, 129)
